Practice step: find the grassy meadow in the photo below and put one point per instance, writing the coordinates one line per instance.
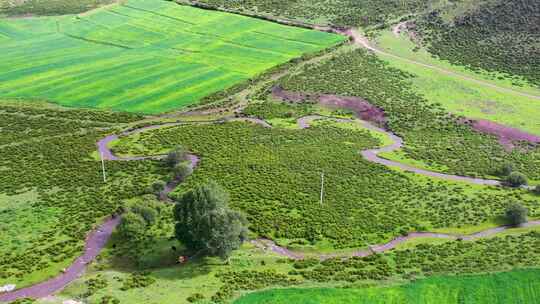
(142, 56)
(521, 286)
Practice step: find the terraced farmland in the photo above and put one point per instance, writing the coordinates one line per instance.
(142, 56)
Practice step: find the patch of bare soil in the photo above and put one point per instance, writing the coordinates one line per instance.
(508, 136)
(361, 107)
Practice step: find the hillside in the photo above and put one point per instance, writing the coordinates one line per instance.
(48, 7)
(344, 13)
(498, 36)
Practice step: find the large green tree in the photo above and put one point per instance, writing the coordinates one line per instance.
(205, 223)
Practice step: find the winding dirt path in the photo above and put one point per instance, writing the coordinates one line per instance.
(359, 39)
(95, 241)
(269, 245)
(397, 142)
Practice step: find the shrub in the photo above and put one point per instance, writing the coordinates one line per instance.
(158, 186)
(516, 214)
(147, 212)
(132, 226)
(516, 179)
(109, 300)
(182, 170)
(137, 280)
(176, 156)
(196, 297)
(506, 169)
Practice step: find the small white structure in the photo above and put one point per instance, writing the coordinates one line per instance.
(7, 288)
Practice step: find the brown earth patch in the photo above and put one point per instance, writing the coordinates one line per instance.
(361, 107)
(508, 136)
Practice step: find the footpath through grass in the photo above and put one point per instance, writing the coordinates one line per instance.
(143, 56)
(520, 286)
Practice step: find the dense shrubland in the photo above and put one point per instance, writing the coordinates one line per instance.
(339, 13)
(273, 176)
(501, 36)
(454, 257)
(69, 194)
(431, 135)
(48, 7)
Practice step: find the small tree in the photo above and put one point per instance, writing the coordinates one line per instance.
(176, 156)
(516, 179)
(132, 226)
(506, 169)
(182, 170)
(516, 214)
(146, 211)
(157, 187)
(205, 222)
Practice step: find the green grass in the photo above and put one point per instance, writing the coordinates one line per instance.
(461, 96)
(143, 56)
(519, 286)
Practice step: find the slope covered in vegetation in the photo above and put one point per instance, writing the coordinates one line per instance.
(48, 7)
(336, 12)
(502, 36)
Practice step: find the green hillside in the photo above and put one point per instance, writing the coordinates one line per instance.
(502, 36)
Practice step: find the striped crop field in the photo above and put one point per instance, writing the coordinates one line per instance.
(147, 56)
(514, 287)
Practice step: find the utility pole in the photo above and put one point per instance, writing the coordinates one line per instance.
(322, 187)
(103, 167)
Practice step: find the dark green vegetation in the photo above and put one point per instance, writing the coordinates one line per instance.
(515, 287)
(502, 36)
(204, 222)
(516, 179)
(48, 7)
(454, 257)
(51, 188)
(516, 214)
(340, 12)
(431, 135)
(270, 110)
(273, 176)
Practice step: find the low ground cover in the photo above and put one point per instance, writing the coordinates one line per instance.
(142, 56)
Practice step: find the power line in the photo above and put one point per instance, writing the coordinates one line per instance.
(103, 167)
(322, 187)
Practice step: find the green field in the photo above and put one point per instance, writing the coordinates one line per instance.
(521, 286)
(142, 56)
